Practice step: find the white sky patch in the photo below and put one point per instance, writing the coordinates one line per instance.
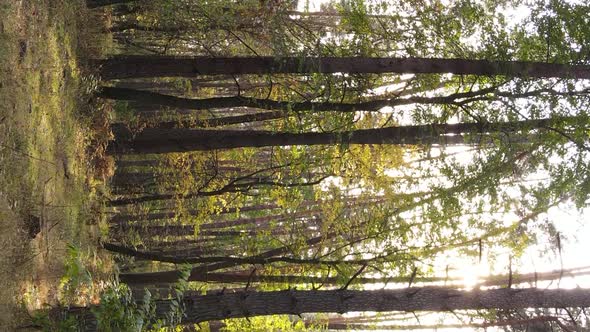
(514, 16)
(392, 87)
(311, 5)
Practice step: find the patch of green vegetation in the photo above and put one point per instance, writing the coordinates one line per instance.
(42, 320)
(123, 111)
(76, 275)
(119, 309)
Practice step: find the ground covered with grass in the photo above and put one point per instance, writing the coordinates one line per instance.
(50, 157)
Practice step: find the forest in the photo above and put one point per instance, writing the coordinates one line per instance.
(294, 165)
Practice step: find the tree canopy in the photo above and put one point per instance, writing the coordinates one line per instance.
(263, 144)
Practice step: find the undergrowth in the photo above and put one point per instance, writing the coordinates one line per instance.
(117, 309)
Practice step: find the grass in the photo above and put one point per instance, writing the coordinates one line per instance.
(46, 131)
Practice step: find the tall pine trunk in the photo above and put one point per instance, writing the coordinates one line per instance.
(165, 66)
(154, 140)
(148, 97)
(124, 218)
(102, 3)
(202, 308)
(246, 276)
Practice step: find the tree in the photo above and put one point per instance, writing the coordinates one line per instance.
(257, 276)
(202, 308)
(160, 66)
(268, 104)
(153, 140)
(103, 3)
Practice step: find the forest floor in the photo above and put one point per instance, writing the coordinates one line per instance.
(51, 181)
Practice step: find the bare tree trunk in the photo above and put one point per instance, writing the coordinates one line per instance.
(237, 277)
(137, 163)
(246, 276)
(184, 140)
(211, 122)
(123, 218)
(202, 308)
(148, 97)
(164, 257)
(184, 230)
(161, 66)
(102, 3)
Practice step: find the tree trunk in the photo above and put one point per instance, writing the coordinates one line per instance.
(162, 197)
(202, 308)
(148, 97)
(252, 260)
(161, 66)
(210, 122)
(184, 140)
(244, 278)
(136, 26)
(124, 178)
(259, 222)
(102, 3)
(494, 280)
(180, 230)
(137, 163)
(123, 218)
(231, 187)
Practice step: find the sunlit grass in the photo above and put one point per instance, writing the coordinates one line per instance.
(44, 170)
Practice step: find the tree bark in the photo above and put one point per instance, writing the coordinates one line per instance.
(137, 163)
(210, 122)
(160, 66)
(229, 277)
(136, 26)
(184, 140)
(148, 97)
(259, 221)
(103, 3)
(252, 260)
(180, 230)
(493, 280)
(202, 308)
(123, 218)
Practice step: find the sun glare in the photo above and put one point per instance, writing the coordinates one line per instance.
(471, 275)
